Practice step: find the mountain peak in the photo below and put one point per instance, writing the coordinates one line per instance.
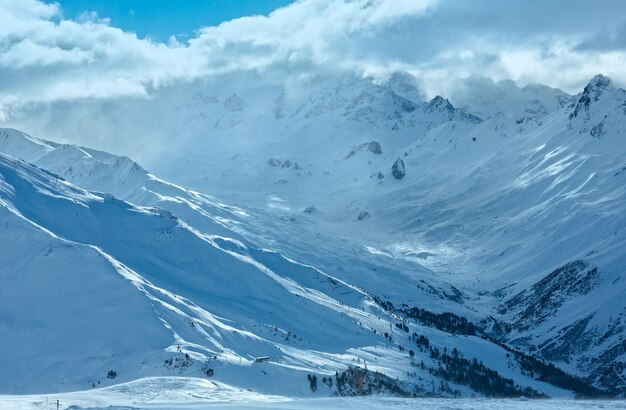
(596, 87)
(440, 103)
(444, 106)
(599, 81)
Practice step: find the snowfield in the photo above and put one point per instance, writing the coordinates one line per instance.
(186, 393)
(364, 242)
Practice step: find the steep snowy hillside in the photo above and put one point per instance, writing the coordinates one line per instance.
(182, 273)
(528, 213)
(135, 292)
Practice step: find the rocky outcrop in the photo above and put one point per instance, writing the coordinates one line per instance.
(363, 215)
(360, 382)
(234, 103)
(398, 169)
(441, 106)
(592, 92)
(287, 163)
(372, 146)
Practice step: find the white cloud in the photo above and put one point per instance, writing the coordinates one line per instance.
(44, 57)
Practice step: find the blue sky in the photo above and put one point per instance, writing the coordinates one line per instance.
(159, 19)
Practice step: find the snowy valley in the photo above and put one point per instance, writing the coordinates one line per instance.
(332, 236)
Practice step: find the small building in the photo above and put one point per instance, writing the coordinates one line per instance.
(262, 359)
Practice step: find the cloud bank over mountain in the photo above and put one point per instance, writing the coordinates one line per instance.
(46, 57)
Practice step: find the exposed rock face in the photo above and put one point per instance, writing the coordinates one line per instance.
(364, 215)
(287, 163)
(537, 319)
(440, 104)
(398, 169)
(234, 103)
(599, 108)
(592, 93)
(545, 297)
(443, 107)
(373, 146)
(361, 382)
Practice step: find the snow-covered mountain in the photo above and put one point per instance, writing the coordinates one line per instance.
(133, 292)
(402, 231)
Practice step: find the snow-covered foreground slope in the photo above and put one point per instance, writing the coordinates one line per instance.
(503, 232)
(185, 393)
